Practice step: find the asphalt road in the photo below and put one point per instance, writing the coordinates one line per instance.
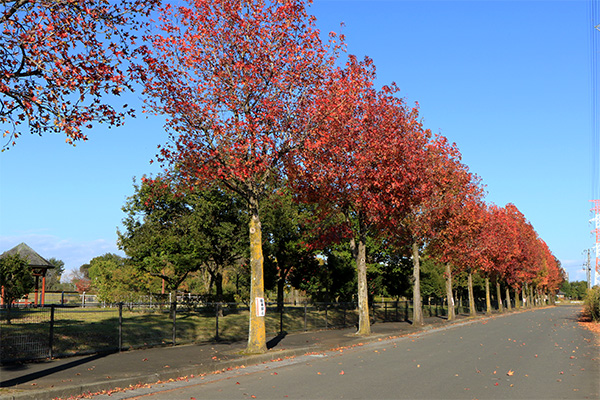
(539, 354)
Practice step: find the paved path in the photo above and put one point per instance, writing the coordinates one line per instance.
(539, 354)
(62, 378)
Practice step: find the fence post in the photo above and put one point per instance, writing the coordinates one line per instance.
(51, 338)
(345, 307)
(217, 321)
(396, 316)
(385, 318)
(120, 326)
(305, 316)
(174, 319)
(326, 304)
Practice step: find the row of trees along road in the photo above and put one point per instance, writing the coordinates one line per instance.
(254, 99)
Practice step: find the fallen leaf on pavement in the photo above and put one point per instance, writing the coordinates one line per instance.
(510, 373)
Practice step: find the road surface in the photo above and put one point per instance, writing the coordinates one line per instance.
(538, 354)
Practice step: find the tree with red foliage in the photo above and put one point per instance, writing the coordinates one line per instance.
(441, 184)
(358, 154)
(520, 271)
(456, 243)
(236, 79)
(59, 58)
(500, 248)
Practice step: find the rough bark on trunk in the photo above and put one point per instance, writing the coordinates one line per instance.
(508, 301)
(499, 294)
(364, 324)
(530, 297)
(472, 309)
(256, 336)
(488, 301)
(450, 297)
(417, 306)
(517, 302)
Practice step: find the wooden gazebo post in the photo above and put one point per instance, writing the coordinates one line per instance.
(38, 264)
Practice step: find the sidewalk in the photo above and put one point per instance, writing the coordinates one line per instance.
(62, 378)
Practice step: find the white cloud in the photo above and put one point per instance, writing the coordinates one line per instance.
(575, 269)
(72, 252)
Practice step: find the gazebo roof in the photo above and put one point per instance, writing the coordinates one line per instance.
(35, 260)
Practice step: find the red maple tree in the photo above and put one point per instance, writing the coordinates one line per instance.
(360, 162)
(237, 80)
(58, 59)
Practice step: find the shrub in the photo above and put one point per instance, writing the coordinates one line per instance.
(592, 303)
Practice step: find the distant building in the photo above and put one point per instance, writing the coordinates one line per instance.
(39, 267)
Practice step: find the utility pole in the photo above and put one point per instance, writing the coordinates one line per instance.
(588, 269)
(596, 231)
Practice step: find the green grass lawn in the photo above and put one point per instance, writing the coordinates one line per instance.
(85, 330)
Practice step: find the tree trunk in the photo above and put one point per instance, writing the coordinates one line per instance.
(256, 337)
(530, 297)
(488, 301)
(517, 302)
(364, 325)
(173, 307)
(450, 297)
(472, 309)
(508, 305)
(417, 306)
(219, 286)
(499, 294)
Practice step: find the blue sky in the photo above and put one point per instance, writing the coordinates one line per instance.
(508, 81)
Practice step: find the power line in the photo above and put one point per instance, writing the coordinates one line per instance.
(594, 20)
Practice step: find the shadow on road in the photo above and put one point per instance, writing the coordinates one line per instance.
(275, 341)
(49, 371)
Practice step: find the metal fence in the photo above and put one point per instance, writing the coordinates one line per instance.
(55, 331)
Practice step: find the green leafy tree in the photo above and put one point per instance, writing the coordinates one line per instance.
(221, 221)
(433, 283)
(116, 279)
(565, 287)
(330, 277)
(284, 240)
(578, 290)
(160, 235)
(171, 233)
(395, 270)
(16, 279)
(54, 275)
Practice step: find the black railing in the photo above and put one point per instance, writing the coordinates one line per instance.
(55, 331)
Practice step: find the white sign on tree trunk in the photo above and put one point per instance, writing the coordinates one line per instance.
(260, 307)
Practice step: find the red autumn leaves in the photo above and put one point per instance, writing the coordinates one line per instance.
(59, 58)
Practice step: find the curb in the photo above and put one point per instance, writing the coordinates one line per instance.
(243, 360)
(77, 390)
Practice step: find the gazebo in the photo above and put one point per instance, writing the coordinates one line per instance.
(38, 264)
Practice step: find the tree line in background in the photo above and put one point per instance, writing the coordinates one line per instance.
(286, 164)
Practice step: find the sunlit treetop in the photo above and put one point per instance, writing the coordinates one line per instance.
(63, 61)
